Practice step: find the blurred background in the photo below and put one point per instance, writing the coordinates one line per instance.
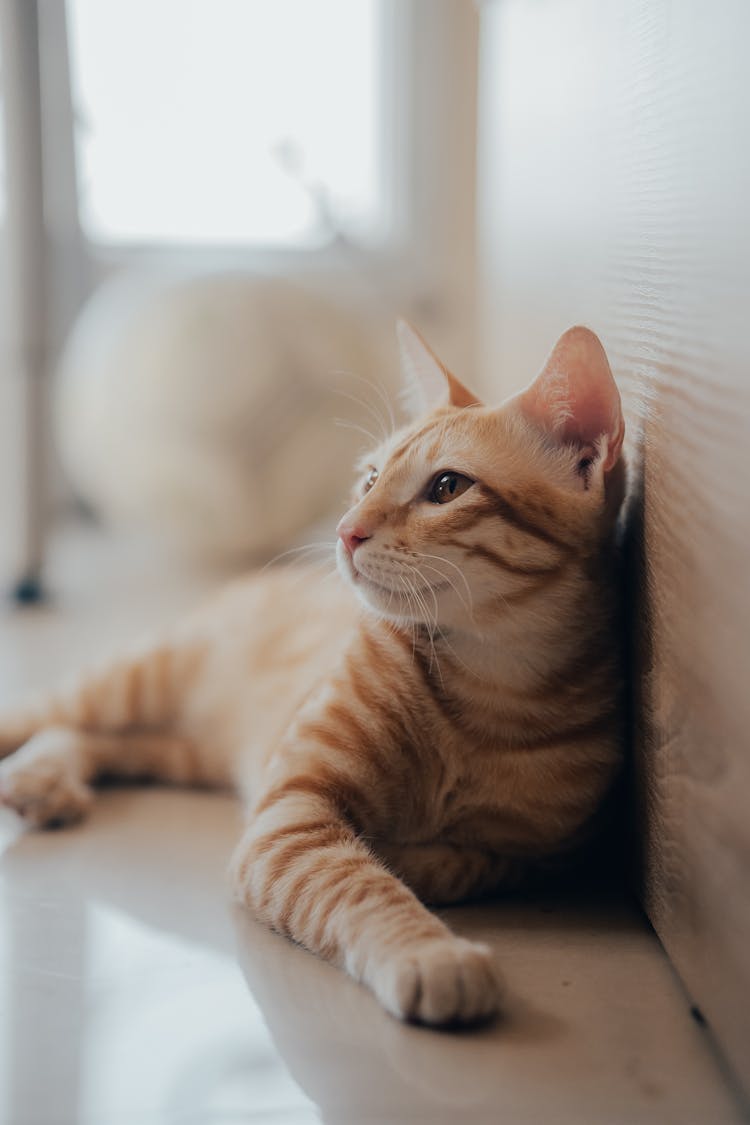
(212, 214)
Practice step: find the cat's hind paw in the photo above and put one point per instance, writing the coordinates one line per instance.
(40, 782)
(15, 729)
(443, 983)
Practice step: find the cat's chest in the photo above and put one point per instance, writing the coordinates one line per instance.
(461, 796)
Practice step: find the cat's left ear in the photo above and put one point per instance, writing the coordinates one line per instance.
(575, 398)
(427, 382)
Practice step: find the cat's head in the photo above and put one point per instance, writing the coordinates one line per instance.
(469, 509)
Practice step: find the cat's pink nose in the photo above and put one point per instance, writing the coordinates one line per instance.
(351, 535)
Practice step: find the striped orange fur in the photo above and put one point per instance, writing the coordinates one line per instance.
(423, 731)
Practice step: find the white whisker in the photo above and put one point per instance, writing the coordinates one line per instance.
(374, 414)
(456, 591)
(462, 576)
(380, 391)
(345, 424)
(431, 622)
(412, 615)
(307, 547)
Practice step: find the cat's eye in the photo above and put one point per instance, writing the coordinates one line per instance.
(372, 476)
(448, 486)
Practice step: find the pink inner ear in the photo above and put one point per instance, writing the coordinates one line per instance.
(575, 396)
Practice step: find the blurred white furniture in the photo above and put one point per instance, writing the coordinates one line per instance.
(421, 264)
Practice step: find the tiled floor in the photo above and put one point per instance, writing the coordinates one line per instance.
(131, 993)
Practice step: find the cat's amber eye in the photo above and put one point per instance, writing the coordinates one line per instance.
(448, 486)
(372, 476)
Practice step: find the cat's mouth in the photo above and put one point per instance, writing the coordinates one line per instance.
(402, 587)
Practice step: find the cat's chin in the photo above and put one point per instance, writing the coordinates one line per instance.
(372, 592)
(383, 600)
(385, 604)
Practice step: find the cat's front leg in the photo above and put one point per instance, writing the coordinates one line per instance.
(444, 873)
(302, 869)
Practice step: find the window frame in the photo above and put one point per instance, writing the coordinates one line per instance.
(420, 67)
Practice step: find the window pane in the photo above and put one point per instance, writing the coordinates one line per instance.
(227, 121)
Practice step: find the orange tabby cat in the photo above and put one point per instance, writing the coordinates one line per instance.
(430, 743)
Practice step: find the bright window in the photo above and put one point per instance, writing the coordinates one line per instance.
(228, 121)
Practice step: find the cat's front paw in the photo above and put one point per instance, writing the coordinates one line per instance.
(443, 982)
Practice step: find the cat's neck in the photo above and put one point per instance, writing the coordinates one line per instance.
(512, 652)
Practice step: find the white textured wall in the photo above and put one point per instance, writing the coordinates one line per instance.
(614, 184)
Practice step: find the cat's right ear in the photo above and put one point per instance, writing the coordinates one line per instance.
(428, 383)
(576, 401)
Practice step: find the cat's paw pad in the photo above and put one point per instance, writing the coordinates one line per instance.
(43, 788)
(444, 982)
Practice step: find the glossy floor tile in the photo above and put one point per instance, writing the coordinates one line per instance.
(132, 993)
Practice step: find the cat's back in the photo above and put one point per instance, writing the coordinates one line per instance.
(265, 641)
(284, 623)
